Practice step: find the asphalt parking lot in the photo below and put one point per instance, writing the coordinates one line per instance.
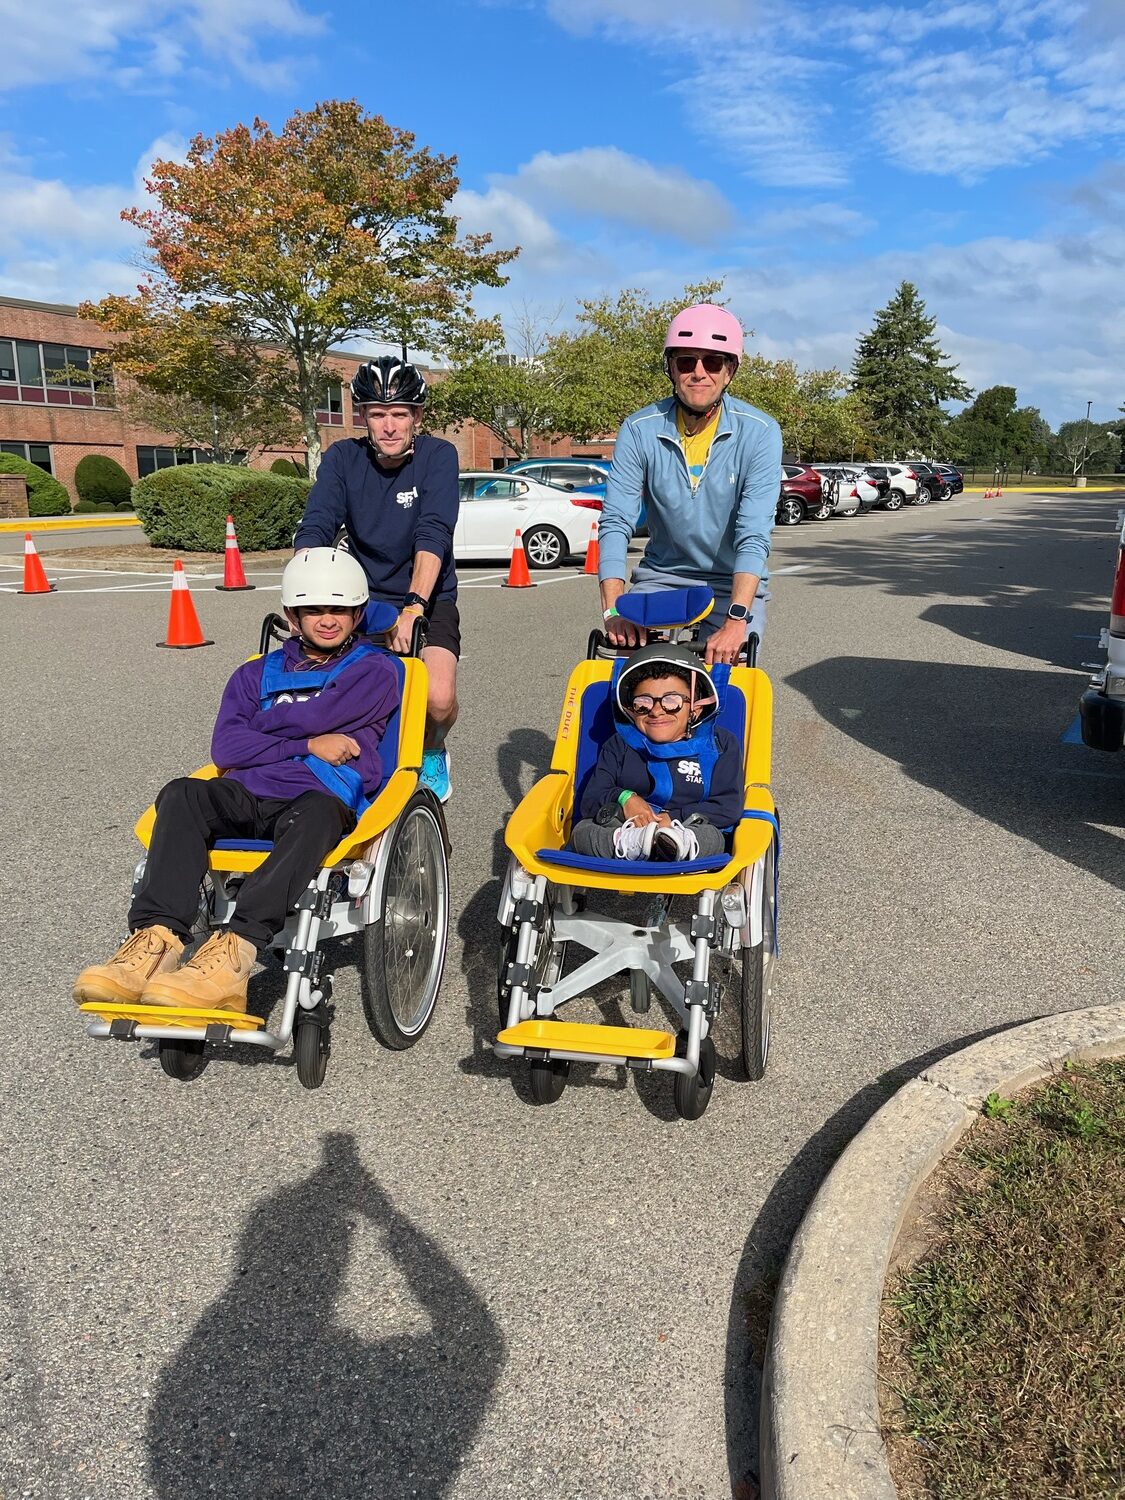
(414, 1283)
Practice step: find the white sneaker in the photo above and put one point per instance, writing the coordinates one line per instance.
(674, 843)
(631, 841)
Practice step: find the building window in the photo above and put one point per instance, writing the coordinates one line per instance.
(331, 414)
(151, 459)
(38, 454)
(51, 375)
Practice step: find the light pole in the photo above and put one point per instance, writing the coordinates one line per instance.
(1086, 438)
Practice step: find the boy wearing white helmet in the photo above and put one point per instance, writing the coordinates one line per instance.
(297, 736)
(707, 468)
(668, 784)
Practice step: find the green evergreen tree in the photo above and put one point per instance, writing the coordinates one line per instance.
(903, 377)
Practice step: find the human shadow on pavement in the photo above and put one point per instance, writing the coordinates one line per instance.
(272, 1397)
(988, 739)
(768, 1241)
(1065, 637)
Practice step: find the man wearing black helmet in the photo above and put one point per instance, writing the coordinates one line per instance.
(396, 494)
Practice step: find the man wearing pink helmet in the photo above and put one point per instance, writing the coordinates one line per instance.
(708, 469)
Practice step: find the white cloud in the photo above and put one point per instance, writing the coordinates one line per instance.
(143, 41)
(511, 220)
(604, 182)
(828, 221)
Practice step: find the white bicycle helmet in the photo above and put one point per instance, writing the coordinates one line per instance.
(323, 575)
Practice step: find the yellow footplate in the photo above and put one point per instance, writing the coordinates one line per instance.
(571, 1036)
(170, 1015)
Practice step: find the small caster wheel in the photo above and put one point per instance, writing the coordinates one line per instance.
(182, 1060)
(310, 1047)
(548, 1079)
(640, 991)
(693, 1095)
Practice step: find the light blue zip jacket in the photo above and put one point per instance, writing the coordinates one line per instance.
(721, 528)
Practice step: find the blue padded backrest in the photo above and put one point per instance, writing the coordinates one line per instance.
(597, 722)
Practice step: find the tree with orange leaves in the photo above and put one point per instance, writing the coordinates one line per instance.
(286, 245)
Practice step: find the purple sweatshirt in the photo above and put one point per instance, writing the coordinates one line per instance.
(256, 746)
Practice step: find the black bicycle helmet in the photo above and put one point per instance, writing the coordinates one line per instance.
(388, 381)
(648, 661)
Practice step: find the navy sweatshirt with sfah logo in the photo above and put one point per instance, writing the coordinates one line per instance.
(620, 768)
(389, 513)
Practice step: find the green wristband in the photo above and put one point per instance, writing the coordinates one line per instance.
(624, 797)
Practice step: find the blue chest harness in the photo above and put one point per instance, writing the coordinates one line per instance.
(342, 781)
(701, 747)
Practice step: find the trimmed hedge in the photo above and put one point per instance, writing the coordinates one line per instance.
(45, 495)
(103, 481)
(186, 508)
(288, 467)
(85, 508)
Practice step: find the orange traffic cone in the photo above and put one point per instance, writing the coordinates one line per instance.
(988, 494)
(233, 576)
(183, 622)
(592, 550)
(518, 576)
(999, 495)
(34, 578)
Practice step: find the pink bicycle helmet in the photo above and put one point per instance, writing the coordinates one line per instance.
(705, 326)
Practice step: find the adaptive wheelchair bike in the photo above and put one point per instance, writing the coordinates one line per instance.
(386, 882)
(719, 914)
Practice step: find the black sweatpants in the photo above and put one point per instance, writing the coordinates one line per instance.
(191, 815)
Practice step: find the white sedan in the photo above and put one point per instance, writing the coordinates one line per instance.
(554, 522)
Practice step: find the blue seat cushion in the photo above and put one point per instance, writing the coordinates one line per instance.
(655, 868)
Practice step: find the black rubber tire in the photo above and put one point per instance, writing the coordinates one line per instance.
(418, 850)
(547, 1077)
(553, 542)
(310, 1050)
(790, 511)
(852, 510)
(181, 1060)
(894, 501)
(692, 1095)
(754, 1012)
(946, 492)
(822, 512)
(922, 497)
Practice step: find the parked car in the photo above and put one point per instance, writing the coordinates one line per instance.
(930, 479)
(902, 485)
(583, 476)
(554, 524)
(954, 480)
(856, 490)
(801, 495)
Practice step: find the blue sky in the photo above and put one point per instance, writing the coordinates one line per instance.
(812, 154)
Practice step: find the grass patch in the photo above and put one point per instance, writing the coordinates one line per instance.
(1003, 1346)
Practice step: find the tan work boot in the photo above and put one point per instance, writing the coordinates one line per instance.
(214, 978)
(151, 951)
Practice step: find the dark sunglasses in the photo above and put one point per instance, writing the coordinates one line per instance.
(671, 703)
(686, 363)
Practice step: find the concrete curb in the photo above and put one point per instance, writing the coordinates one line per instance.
(820, 1435)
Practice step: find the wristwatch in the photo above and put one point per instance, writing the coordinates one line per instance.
(738, 611)
(416, 600)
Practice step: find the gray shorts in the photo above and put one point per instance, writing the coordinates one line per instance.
(646, 580)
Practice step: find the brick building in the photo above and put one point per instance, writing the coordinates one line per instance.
(55, 424)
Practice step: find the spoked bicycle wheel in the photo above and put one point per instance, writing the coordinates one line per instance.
(404, 950)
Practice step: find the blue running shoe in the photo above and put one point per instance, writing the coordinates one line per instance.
(435, 774)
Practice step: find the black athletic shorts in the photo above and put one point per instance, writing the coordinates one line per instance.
(443, 626)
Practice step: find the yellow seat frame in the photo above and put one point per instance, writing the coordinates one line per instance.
(378, 817)
(543, 818)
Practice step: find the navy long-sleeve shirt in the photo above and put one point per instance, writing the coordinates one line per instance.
(390, 514)
(256, 746)
(620, 768)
